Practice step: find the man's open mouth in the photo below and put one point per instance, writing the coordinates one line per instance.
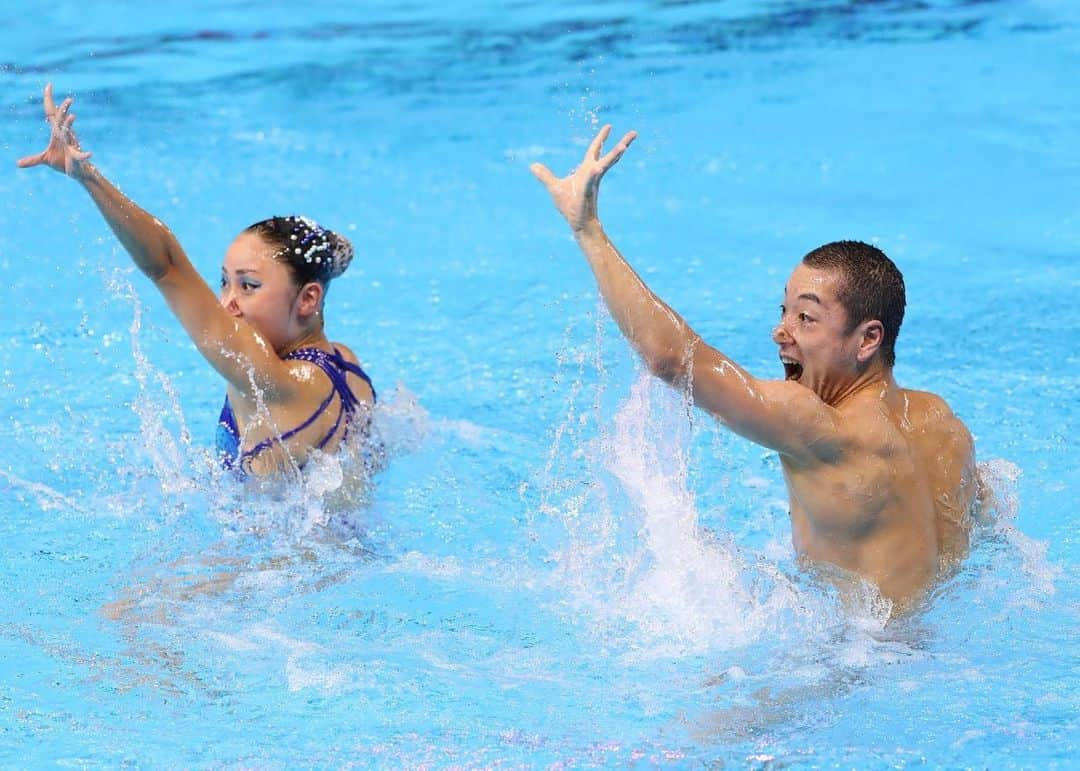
(792, 368)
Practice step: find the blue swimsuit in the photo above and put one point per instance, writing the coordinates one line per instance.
(336, 368)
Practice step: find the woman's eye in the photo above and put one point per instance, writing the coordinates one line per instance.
(804, 317)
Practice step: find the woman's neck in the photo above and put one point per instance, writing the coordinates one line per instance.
(314, 338)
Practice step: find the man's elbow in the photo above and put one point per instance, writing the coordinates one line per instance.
(666, 364)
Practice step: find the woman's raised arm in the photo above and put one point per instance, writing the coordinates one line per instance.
(231, 345)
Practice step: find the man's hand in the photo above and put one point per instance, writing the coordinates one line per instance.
(575, 195)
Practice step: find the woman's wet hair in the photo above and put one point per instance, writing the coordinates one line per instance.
(871, 287)
(311, 252)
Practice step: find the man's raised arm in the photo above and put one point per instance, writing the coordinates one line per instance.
(782, 416)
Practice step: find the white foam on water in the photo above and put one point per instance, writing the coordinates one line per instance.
(302, 669)
(400, 422)
(1018, 562)
(426, 565)
(326, 678)
(329, 497)
(48, 499)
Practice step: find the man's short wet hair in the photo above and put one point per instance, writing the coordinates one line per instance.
(871, 287)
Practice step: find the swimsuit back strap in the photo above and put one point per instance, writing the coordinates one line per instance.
(335, 366)
(294, 431)
(355, 369)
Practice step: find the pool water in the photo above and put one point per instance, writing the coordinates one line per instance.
(562, 564)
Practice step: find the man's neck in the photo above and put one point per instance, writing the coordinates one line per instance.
(876, 376)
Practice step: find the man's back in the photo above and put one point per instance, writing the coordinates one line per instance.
(894, 503)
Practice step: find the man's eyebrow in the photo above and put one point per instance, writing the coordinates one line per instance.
(811, 296)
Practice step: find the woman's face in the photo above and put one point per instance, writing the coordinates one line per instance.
(260, 289)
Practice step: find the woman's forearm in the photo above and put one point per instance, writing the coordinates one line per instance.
(151, 244)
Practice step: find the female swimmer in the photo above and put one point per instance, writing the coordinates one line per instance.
(291, 392)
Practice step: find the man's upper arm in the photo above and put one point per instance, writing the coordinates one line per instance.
(953, 457)
(779, 414)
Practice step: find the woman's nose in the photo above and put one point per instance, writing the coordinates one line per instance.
(228, 301)
(780, 334)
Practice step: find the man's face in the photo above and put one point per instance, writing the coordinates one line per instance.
(814, 348)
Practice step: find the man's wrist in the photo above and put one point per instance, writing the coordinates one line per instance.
(85, 173)
(589, 229)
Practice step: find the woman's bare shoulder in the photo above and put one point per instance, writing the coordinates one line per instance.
(346, 352)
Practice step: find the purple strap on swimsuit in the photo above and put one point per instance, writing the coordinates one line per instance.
(336, 368)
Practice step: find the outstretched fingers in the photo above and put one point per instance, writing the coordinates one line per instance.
(598, 142)
(53, 113)
(543, 173)
(47, 101)
(74, 150)
(63, 147)
(617, 151)
(30, 160)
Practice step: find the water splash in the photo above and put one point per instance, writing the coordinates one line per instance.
(690, 585)
(329, 497)
(1015, 560)
(46, 497)
(157, 404)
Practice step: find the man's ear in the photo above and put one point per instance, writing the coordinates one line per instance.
(310, 299)
(871, 335)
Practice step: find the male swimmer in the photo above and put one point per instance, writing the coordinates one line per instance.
(881, 479)
(291, 392)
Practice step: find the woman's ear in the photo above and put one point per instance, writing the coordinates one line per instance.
(309, 301)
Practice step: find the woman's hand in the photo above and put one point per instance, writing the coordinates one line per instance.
(575, 195)
(63, 153)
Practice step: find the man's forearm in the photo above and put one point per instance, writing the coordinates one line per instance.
(658, 333)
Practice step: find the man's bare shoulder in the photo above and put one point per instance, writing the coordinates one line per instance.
(927, 408)
(930, 415)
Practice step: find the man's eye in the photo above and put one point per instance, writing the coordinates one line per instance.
(804, 317)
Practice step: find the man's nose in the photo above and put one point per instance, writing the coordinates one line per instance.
(780, 334)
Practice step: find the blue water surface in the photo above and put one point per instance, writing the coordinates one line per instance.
(562, 565)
